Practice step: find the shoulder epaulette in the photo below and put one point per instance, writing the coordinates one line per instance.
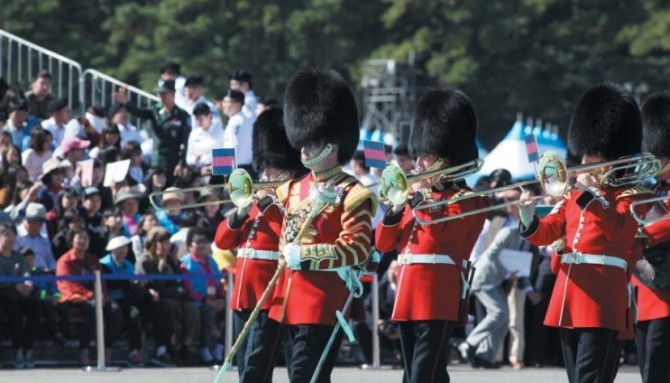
(357, 195)
(282, 192)
(635, 190)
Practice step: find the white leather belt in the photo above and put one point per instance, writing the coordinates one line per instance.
(409, 259)
(267, 255)
(593, 259)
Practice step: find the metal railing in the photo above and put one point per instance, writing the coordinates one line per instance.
(98, 88)
(21, 60)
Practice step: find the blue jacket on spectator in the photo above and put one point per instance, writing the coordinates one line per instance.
(197, 287)
(168, 222)
(116, 290)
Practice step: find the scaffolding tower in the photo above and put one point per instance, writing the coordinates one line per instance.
(389, 94)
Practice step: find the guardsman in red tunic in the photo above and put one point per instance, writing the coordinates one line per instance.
(322, 121)
(652, 335)
(255, 231)
(431, 271)
(590, 303)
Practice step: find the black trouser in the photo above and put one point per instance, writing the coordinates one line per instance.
(652, 339)
(425, 345)
(112, 320)
(23, 335)
(51, 312)
(162, 315)
(257, 356)
(309, 342)
(590, 354)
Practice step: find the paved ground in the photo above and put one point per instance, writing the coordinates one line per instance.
(459, 373)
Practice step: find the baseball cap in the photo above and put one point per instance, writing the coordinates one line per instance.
(164, 86)
(35, 212)
(71, 143)
(117, 242)
(89, 191)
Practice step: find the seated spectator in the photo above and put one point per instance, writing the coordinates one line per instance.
(17, 299)
(206, 294)
(14, 176)
(189, 220)
(39, 95)
(48, 295)
(11, 157)
(131, 296)
(33, 238)
(212, 215)
(128, 200)
(155, 180)
(171, 214)
(118, 114)
(137, 169)
(159, 258)
(147, 222)
(17, 111)
(68, 199)
(110, 137)
(389, 335)
(72, 149)
(38, 152)
(106, 195)
(94, 221)
(69, 219)
(53, 176)
(59, 115)
(25, 193)
(80, 295)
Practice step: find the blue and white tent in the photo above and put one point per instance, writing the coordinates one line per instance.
(510, 153)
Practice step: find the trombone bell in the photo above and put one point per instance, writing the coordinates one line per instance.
(394, 184)
(240, 187)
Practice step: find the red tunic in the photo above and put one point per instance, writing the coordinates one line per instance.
(339, 236)
(252, 276)
(589, 295)
(653, 303)
(432, 291)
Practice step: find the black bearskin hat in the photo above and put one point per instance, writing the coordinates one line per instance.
(656, 125)
(445, 124)
(320, 108)
(607, 122)
(270, 146)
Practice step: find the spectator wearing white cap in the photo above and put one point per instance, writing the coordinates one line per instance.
(128, 200)
(33, 239)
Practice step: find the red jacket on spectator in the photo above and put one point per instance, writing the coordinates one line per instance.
(77, 291)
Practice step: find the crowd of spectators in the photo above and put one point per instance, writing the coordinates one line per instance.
(66, 209)
(67, 212)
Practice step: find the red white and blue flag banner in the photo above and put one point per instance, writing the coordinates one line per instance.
(375, 157)
(223, 161)
(531, 148)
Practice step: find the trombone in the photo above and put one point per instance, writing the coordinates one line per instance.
(554, 177)
(648, 220)
(394, 185)
(240, 187)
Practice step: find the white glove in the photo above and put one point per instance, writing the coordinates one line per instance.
(292, 256)
(526, 212)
